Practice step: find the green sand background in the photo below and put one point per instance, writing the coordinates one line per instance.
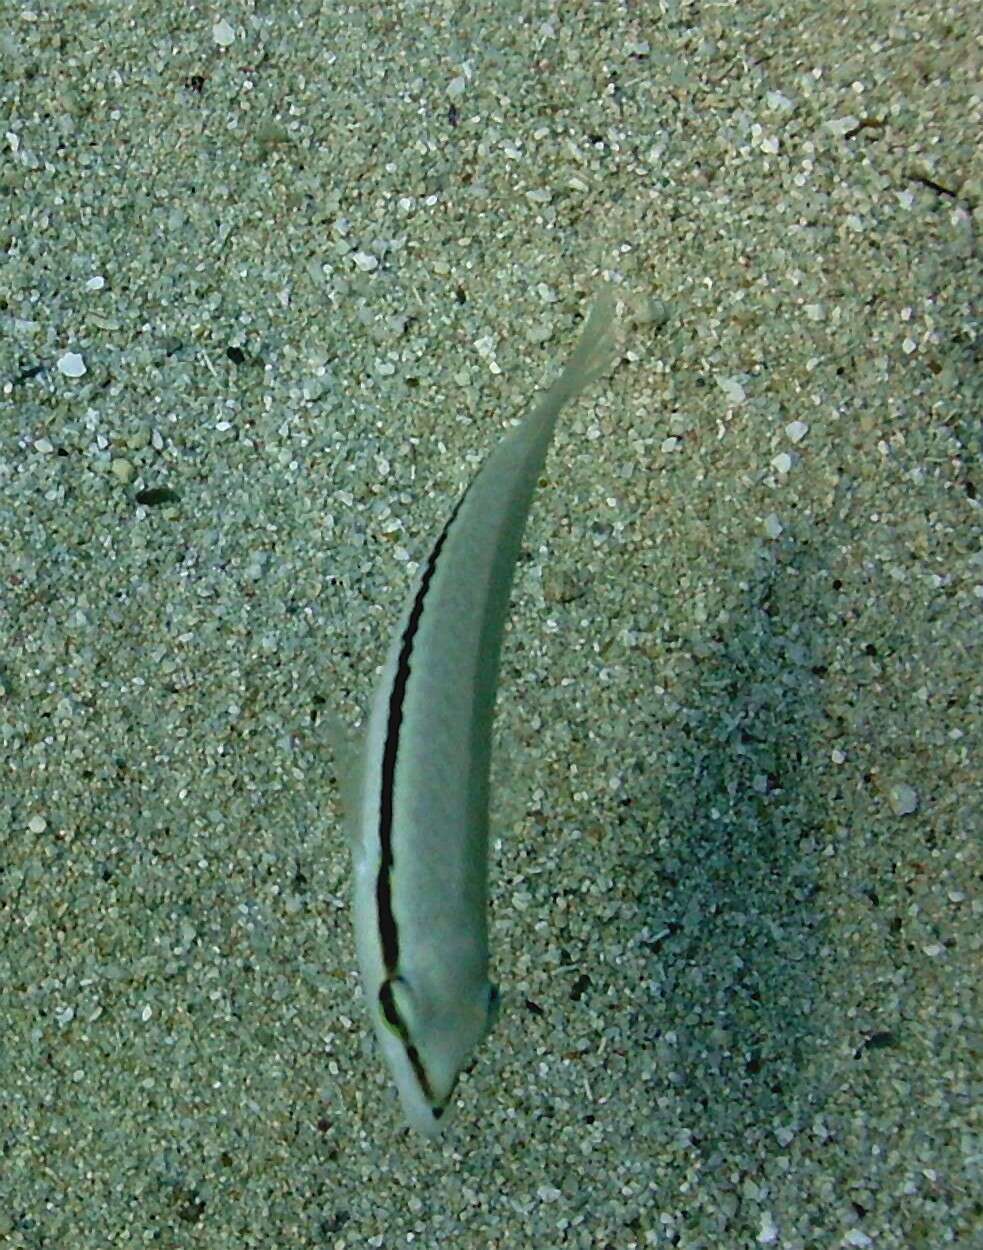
(313, 261)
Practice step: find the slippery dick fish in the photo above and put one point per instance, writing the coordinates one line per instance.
(420, 844)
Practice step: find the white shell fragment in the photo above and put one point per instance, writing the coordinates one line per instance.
(223, 34)
(842, 125)
(903, 799)
(796, 431)
(71, 365)
(365, 261)
(732, 389)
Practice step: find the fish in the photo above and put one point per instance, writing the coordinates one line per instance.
(421, 807)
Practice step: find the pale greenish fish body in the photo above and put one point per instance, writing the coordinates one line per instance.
(420, 890)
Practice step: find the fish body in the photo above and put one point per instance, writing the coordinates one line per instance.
(420, 881)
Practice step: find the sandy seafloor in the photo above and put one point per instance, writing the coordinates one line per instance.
(313, 260)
